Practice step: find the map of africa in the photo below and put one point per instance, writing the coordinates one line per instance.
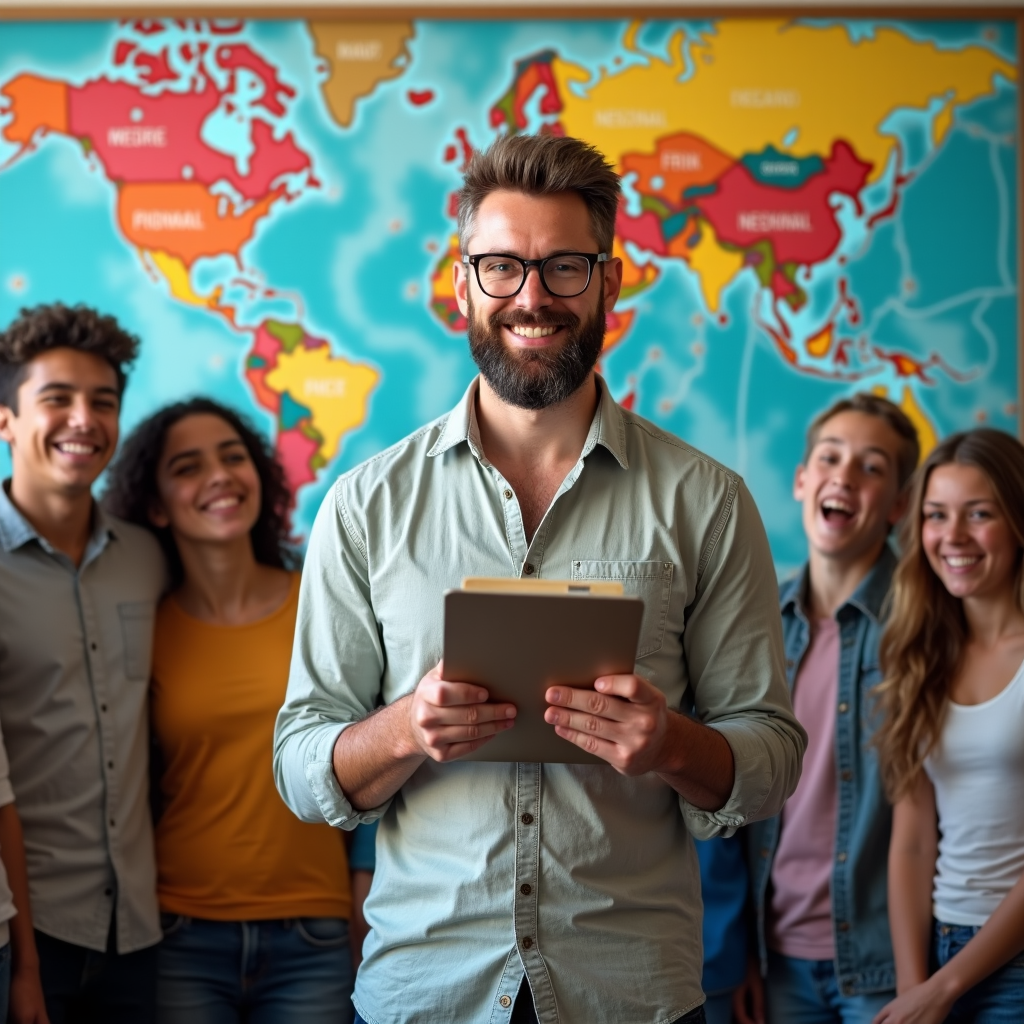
(811, 207)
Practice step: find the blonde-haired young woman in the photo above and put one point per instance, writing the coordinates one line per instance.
(952, 743)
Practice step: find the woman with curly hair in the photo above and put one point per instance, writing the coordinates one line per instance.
(255, 903)
(952, 740)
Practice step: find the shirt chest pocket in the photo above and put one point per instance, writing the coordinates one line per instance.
(650, 581)
(137, 637)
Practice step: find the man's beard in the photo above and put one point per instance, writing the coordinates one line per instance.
(536, 378)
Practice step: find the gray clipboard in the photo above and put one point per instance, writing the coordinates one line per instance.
(518, 644)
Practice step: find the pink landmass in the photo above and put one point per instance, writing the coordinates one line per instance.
(295, 452)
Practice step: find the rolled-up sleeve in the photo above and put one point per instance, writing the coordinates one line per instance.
(736, 663)
(336, 668)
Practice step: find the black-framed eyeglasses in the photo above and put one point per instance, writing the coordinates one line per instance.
(502, 275)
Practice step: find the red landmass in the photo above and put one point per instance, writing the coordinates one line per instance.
(157, 68)
(531, 74)
(628, 401)
(465, 145)
(36, 104)
(782, 286)
(275, 92)
(265, 349)
(420, 97)
(679, 162)
(103, 112)
(799, 223)
(295, 453)
(123, 51)
(644, 230)
(450, 153)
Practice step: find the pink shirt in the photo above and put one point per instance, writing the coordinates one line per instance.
(800, 916)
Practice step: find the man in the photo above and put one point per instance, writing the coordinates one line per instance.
(528, 891)
(77, 596)
(819, 871)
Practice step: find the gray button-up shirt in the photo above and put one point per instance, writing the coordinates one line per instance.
(584, 878)
(74, 676)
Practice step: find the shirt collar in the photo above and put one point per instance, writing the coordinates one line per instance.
(607, 428)
(869, 597)
(16, 531)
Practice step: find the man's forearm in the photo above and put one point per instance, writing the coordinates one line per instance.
(699, 763)
(374, 757)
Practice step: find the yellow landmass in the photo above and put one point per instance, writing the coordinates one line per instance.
(757, 79)
(636, 277)
(927, 435)
(942, 123)
(360, 55)
(334, 390)
(819, 345)
(174, 271)
(715, 267)
(443, 283)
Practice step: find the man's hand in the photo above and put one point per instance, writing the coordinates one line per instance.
(748, 999)
(451, 719)
(27, 1005)
(624, 720)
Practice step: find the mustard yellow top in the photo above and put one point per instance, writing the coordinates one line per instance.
(227, 847)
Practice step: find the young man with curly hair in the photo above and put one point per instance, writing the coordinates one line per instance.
(78, 591)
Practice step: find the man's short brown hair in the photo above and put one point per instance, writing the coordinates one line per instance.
(542, 165)
(874, 405)
(44, 328)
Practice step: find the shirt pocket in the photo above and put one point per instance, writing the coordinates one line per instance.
(137, 637)
(650, 581)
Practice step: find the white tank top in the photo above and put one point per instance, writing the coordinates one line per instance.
(977, 769)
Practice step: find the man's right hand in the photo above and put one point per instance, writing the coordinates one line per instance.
(449, 720)
(748, 999)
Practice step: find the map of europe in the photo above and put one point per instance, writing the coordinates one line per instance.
(811, 207)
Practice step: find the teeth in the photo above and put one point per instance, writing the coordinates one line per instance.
(532, 332)
(220, 503)
(958, 561)
(71, 448)
(834, 504)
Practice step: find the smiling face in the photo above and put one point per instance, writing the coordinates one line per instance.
(208, 487)
(534, 348)
(849, 488)
(966, 536)
(65, 430)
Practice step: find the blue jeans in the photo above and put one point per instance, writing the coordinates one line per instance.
(806, 992)
(693, 1017)
(262, 972)
(5, 979)
(999, 999)
(718, 1007)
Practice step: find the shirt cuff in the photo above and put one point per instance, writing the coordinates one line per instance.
(751, 785)
(323, 784)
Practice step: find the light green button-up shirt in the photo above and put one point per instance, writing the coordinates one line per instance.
(584, 878)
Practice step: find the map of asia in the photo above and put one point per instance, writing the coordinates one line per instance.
(811, 207)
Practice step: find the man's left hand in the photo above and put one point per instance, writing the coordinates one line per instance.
(623, 719)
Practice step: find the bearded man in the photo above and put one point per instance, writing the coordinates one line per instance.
(516, 891)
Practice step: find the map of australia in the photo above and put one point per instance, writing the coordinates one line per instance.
(810, 207)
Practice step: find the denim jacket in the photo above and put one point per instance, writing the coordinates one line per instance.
(864, 958)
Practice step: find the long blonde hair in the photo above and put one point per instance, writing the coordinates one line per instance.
(923, 643)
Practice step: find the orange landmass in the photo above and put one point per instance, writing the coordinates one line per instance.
(679, 161)
(819, 345)
(36, 103)
(184, 220)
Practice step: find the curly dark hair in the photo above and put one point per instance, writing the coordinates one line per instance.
(42, 328)
(132, 488)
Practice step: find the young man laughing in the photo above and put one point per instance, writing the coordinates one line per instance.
(77, 596)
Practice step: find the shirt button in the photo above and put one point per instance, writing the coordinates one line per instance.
(526, 888)
(508, 495)
(841, 858)
(108, 891)
(111, 822)
(506, 1001)
(844, 926)
(103, 707)
(843, 708)
(764, 852)
(527, 942)
(528, 569)
(789, 663)
(110, 764)
(527, 819)
(847, 775)
(93, 646)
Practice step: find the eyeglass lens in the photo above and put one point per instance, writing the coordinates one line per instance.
(564, 276)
